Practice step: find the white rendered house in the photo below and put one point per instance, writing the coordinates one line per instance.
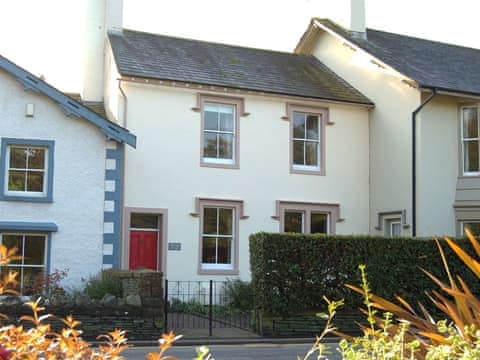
(60, 179)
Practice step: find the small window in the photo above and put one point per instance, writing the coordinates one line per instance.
(470, 140)
(393, 227)
(307, 144)
(32, 249)
(473, 226)
(28, 170)
(307, 218)
(143, 221)
(220, 131)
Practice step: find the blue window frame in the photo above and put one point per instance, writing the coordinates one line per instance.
(26, 171)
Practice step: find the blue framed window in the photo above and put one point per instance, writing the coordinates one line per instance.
(33, 244)
(26, 172)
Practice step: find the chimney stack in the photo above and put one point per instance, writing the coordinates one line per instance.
(101, 16)
(357, 19)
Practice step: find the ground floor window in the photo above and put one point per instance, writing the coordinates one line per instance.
(307, 218)
(33, 250)
(393, 227)
(473, 226)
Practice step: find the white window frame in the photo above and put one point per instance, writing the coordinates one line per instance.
(22, 266)
(42, 193)
(389, 223)
(303, 167)
(463, 140)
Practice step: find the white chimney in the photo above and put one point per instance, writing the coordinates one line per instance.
(357, 19)
(101, 16)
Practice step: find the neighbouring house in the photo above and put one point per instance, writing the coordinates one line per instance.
(424, 129)
(231, 141)
(61, 180)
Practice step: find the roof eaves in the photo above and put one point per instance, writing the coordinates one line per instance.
(69, 105)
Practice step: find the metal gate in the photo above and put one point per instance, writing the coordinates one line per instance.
(204, 308)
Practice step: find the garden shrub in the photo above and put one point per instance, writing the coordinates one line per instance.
(103, 283)
(292, 272)
(239, 294)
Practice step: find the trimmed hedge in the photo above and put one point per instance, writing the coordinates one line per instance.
(292, 272)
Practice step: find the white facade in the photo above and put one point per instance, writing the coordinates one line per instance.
(164, 172)
(77, 206)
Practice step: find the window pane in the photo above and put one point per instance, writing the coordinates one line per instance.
(311, 153)
(18, 157)
(35, 181)
(224, 251)
(396, 229)
(318, 223)
(36, 158)
(293, 222)
(211, 120)
(210, 145)
(209, 250)
(225, 146)
(210, 221)
(226, 122)
(13, 241)
(144, 221)
(298, 125)
(16, 180)
(470, 123)
(225, 222)
(471, 156)
(312, 127)
(474, 227)
(17, 269)
(29, 275)
(34, 250)
(298, 152)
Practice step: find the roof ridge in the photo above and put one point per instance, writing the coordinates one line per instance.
(209, 42)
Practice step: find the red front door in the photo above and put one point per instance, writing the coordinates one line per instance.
(143, 249)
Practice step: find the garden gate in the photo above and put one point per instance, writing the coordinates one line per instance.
(205, 308)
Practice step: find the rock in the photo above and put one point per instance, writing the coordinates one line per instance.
(133, 300)
(121, 302)
(82, 300)
(109, 300)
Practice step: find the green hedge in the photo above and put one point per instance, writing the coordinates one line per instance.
(292, 272)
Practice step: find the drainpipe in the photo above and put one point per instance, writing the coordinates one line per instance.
(414, 160)
(125, 100)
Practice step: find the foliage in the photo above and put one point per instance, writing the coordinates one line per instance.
(33, 338)
(239, 294)
(292, 272)
(103, 283)
(47, 285)
(455, 300)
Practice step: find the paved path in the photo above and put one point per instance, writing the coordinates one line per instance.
(238, 352)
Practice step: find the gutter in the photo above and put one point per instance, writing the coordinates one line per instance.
(414, 160)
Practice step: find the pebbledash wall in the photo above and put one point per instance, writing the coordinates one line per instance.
(164, 171)
(85, 183)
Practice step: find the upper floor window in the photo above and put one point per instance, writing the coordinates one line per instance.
(470, 140)
(307, 139)
(27, 170)
(220, 130)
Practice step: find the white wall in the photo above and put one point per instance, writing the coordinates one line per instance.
(79, 172)
(164, 170)
(390, 124)
(438, 156)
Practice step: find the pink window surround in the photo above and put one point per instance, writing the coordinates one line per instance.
(238, 214)
(323, 115)
(332, 209)
(239, 105)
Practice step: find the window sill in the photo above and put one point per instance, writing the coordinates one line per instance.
(219, 165)
(20, 198)
(217, 271)
(307, 171)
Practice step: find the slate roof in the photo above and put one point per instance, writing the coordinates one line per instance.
(432, 64)
(69, 105)
(96, 106)
(153, 56)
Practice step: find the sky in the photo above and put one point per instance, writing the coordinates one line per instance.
(45, 36)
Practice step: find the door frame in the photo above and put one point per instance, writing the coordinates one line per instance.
(162, 236)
